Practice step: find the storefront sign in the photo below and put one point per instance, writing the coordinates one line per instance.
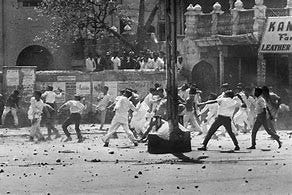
(278, 35)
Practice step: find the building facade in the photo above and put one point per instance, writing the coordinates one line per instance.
(20, 25)
(223, 46)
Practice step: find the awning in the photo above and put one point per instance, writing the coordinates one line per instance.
(227, 40)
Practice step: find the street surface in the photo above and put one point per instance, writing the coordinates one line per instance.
(55, 167)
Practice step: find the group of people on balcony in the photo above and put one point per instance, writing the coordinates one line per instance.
(147, 60)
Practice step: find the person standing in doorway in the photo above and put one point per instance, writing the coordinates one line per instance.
(76, 108)
(12, 104)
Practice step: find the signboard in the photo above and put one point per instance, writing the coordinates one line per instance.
(66, 78)
(83, 88)
(12, 78)
(278, 35)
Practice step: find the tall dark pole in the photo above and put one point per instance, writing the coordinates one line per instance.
(179, 141)
(171, 52)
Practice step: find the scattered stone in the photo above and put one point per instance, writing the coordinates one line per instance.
(196, 186)
(246, 181)
(95, 160)
(58, 160)
(117, 161)
(249, 169)
(284, 164)
(88, 148)
(7, 192)
(177, 187)
(111, 152)
(66, 151)
(136, 176)
(140, 173)
(204, 167)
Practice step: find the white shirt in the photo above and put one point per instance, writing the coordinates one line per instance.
(50, 96)
(116, 62)
(104, 102)
(148, 100)
(122, 108)
(35, 109)
(90, 64)
(158, 64)
(75, 106)
(227, 106)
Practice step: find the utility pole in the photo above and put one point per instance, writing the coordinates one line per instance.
(179, 141)
(171, 54)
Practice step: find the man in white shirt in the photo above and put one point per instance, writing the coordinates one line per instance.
(121, 118)
(76, 108)
(35, 115)
(116, 61)
(225, 111)
(103, 103)
(90, 64)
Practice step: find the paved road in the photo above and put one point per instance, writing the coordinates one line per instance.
(88, 168)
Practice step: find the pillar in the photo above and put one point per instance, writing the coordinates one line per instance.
(221, 66)
(289, 7)
(261, 70)
(239, 69)
(215, 14)
(238, 6)
(259, 18)
(192, 19)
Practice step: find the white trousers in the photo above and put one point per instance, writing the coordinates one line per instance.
(114, 127)
(190, 117)
(13, 112)
(35, 130)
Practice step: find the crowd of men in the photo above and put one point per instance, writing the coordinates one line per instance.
(147, 60)
(241, 110)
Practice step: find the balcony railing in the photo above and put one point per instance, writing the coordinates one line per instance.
(224, 26)
(276, 12)
(246, 21)
(205, 25)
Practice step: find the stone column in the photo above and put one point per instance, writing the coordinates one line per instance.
(221, 65)
(289, 7)
(239, 69)
(192, 19)
(259, 18)
(215, 13)
(261, 70)
(238, 6)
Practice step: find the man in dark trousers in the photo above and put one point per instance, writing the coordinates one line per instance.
(261, 119)
(226, 109)
(11, 106)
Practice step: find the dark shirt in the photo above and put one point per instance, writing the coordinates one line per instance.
(189, 104)
(12, 101)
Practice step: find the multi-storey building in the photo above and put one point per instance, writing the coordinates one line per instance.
(221, 44)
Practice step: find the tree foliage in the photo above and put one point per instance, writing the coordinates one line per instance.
(71, 20)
